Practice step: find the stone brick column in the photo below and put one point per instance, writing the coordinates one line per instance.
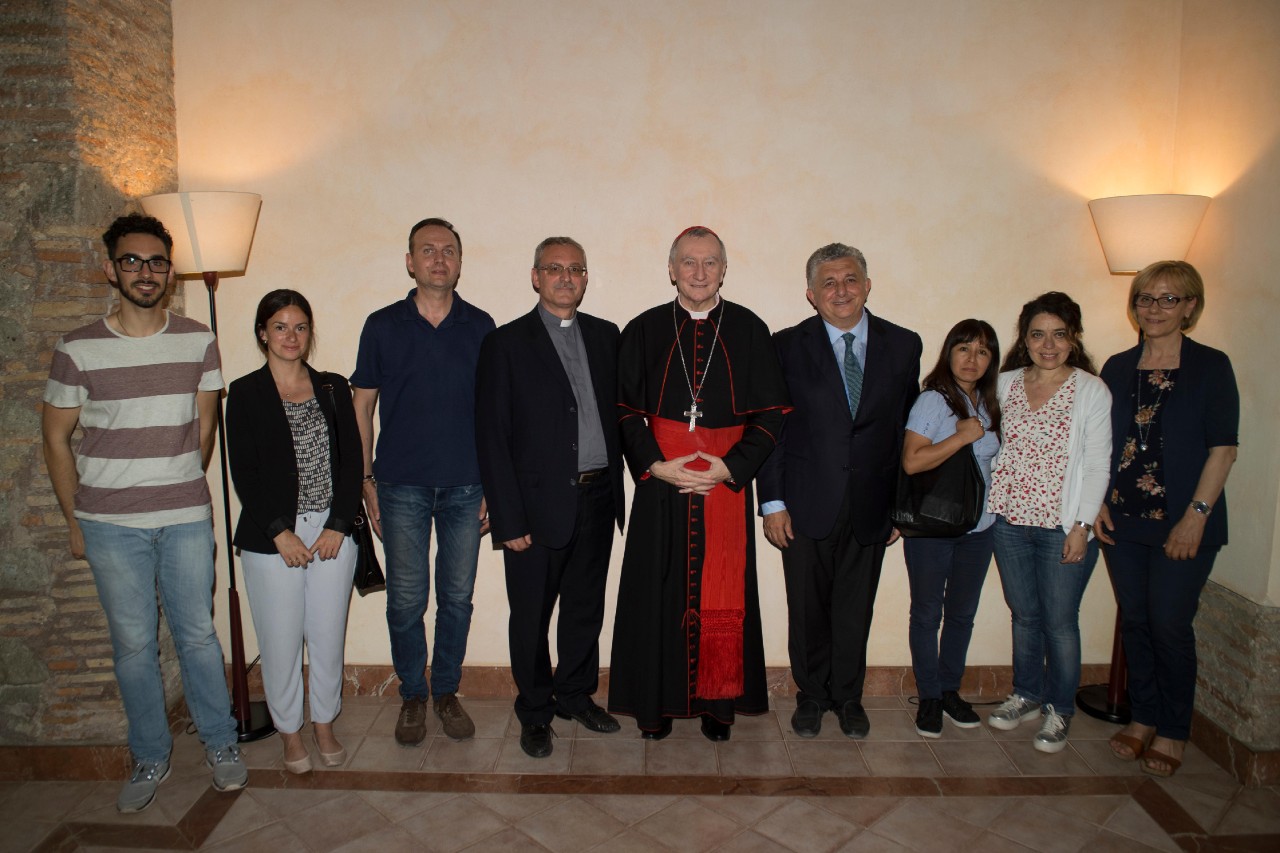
(87, 124)
(1238, 684)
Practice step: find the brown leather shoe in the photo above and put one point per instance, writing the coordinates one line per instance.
(457, 725)
(411, 725)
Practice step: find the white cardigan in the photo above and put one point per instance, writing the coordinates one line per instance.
(1088, 448)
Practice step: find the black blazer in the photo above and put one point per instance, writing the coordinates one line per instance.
(1202, 411)
(527, 427)
(823, 450)
(264, 468)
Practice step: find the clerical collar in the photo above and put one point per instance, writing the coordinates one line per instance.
(553, 321)
(699, 315)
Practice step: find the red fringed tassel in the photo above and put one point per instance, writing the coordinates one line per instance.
(720, 655)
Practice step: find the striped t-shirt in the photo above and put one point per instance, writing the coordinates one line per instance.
(139, 461)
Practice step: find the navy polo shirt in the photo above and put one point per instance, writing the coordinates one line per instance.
(426, 379)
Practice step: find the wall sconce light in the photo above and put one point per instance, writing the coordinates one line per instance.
(1136, 230)
(212, 233)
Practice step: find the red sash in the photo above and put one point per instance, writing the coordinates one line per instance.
(724, 556)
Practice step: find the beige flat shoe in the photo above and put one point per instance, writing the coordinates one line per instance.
(332, 759)
(299, 766)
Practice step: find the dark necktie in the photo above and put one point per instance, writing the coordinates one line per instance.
(852, 373)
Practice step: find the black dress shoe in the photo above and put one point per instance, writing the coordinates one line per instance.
(853, 720)
(713, 729)
(535, 740)
(659, 733)
(593, 717)
(807, 720)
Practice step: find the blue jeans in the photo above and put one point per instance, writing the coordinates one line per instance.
(946, 576)
(1043, 595)
(128, 564)
(407, 514)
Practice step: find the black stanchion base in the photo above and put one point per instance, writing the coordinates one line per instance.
(1093, 701)
(259, 724)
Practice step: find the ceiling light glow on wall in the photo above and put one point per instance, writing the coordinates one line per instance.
(1136, 230)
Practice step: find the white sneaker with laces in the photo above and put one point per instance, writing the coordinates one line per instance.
(1012, 711)
(1052, 736)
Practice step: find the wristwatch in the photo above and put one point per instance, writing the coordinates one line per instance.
(1086, 526)
(1201, 507)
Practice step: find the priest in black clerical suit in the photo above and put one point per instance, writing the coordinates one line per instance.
(701, 400)
(547, 436)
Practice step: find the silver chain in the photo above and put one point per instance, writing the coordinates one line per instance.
(1144, 429)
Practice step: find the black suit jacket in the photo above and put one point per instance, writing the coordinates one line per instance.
(823, 449)
(264, 468)
(527, 427)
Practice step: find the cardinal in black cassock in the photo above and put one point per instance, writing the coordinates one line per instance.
(687, 639)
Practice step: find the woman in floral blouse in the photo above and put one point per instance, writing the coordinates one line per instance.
(1176, 420)
(1047, 487)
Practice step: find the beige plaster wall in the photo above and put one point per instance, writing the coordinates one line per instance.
(956, 143)
(1228, 146)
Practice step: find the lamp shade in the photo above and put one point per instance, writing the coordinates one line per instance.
(212, 231)
(1136, 230)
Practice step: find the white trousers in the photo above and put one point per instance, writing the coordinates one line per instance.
(292, 606)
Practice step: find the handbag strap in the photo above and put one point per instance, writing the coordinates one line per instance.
(359, 520)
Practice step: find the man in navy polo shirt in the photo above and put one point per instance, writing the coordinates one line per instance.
(419, 356)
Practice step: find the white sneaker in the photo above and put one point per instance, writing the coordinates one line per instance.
(1052, 736)
(1012, 711)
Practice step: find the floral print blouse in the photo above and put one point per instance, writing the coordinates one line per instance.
(1139, 482)
(1026, 483)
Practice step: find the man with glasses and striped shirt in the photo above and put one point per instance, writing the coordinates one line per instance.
(143, 386)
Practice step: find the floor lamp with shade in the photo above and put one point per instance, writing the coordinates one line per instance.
(1136, 230)
(212, 233)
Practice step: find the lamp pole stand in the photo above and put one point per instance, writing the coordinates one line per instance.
(1110, 701)
(253, 719)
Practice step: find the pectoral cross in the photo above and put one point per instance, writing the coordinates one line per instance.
(693, 414)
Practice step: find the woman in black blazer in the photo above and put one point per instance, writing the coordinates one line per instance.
(1175, 417)
(295, 455)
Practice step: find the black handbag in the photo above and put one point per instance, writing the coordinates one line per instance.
(368, 577)
(944, 501)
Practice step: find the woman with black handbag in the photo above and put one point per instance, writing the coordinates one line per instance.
(957, 413)
(294, 449)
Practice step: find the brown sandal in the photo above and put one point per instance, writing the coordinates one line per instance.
(1133, 744)
(1157, 755)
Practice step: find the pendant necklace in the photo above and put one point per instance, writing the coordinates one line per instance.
(1144, 427)
(694, 412)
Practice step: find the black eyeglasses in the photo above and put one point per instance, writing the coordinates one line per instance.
(1167, 301)
(574, 270)
(133, 263)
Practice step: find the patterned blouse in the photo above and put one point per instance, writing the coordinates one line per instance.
(311, 448)
(1026, 483)
(1139, 489)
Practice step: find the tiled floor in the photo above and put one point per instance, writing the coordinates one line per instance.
(765, 789)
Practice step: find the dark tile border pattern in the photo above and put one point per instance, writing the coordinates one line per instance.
(204, 816)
